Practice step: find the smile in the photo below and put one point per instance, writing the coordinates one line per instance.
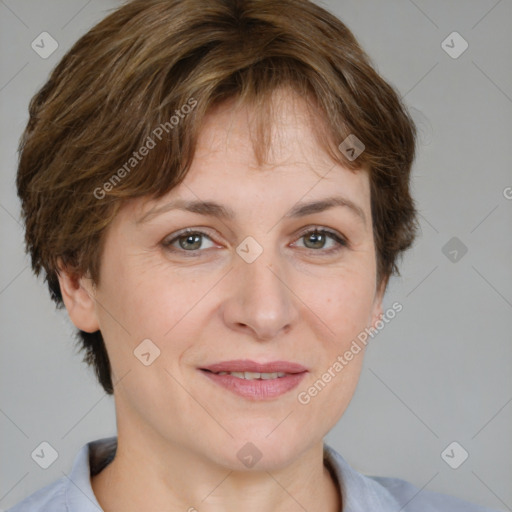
(254, 375)
(255, 385)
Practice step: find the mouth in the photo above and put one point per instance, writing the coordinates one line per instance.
(249, 366)
(252, 375)
(256, 381)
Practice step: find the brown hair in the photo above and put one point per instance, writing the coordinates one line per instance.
(139, 67)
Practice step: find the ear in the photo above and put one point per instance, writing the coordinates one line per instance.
(78, 296)
(377, 303)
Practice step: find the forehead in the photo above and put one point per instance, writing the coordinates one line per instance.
(225, 167)
(284, 125)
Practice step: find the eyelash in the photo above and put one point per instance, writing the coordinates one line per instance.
(339, 239)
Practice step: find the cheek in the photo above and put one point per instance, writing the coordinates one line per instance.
(343, 303)
(168, 308)
(146, 306)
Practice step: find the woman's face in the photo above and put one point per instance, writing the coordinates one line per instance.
(258, 285)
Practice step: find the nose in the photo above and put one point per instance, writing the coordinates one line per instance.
(261, 302)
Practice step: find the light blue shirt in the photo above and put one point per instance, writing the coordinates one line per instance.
(360, 493)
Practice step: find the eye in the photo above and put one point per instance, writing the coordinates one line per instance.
(316, 239)
(187, 240)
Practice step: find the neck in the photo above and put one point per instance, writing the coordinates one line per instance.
(176, 478)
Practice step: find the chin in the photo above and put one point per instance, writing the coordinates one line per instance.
(256, 450)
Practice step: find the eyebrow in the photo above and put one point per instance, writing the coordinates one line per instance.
(213, 209)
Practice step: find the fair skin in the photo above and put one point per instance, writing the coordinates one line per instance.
(179, 432)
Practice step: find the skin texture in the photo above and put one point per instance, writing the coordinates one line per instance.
(179, 433)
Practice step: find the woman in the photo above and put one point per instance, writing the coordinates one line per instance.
(218, 192)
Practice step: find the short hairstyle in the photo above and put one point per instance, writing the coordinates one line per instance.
(147, 74)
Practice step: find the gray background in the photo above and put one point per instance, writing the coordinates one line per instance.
(439, 372)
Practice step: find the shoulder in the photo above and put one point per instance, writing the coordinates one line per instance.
(361, 492)
(414, 499)
(47, 499)
(73, 492)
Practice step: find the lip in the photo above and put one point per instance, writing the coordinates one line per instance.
(247, 365)
(256, 389)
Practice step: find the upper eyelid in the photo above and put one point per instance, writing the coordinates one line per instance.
(186, 231)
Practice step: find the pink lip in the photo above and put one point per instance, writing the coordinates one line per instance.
(246, 365)
(257, 389)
